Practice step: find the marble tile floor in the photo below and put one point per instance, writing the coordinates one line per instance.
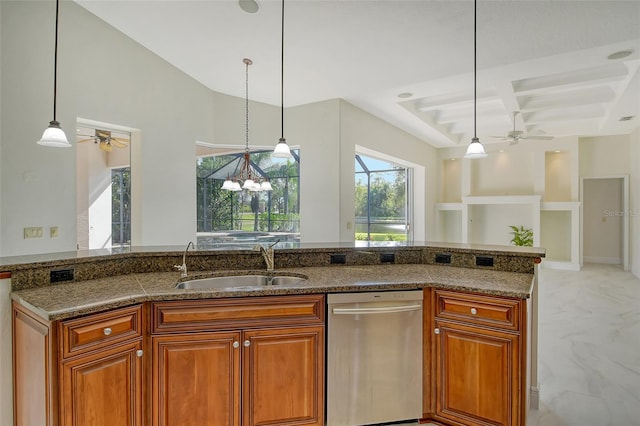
(589, 356)
(589, 348)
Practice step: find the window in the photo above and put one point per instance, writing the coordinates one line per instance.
(244, 216)
(121, 206)
(381, 200)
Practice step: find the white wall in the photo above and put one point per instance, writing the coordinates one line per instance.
(104, 76)
(316, 129)
(634, 188)
(6, 400)
(604, 156)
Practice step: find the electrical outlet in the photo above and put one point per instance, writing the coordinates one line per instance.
(387, 257)
(53, 232)
(443, 258)
(32, 232)
(61, 275)
(484, 261)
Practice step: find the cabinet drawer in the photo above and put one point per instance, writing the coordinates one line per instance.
(95, 331)
(220, 314)
(478, 309)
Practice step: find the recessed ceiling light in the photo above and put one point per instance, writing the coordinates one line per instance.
(249, 6)
(626, 118)
(620, 54)
(405, 95)
(557, 151)
(502, 150)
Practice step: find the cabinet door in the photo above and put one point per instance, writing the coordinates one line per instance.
(103, 388)
(477, 374)
(196, 379)
(283, 376)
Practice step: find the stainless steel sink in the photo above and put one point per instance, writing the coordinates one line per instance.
(231, 281)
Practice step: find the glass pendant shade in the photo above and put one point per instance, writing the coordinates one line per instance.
(228, 185)
(54, 136)
(282, 150)
(475, 150)
(236, 187)
(266, 186)
(248, 184)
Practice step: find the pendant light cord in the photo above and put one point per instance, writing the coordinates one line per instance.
(55, 63)
(282, 77)
(246, 105)
(475, 4)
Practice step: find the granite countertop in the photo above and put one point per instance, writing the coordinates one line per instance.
(83, 297)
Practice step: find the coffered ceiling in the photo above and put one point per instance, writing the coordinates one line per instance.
(410, 62)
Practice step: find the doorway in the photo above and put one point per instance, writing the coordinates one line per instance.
(103, 166)
(605, 222)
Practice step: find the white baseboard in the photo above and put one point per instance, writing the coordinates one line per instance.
(600, 259)
(534, 398)
(566, 266)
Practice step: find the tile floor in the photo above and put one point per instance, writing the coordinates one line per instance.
(589, 357)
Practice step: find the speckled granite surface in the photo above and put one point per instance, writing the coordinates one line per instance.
(34, 271)
(82, 297)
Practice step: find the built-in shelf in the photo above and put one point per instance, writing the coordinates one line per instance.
(502, 199)
(531, 185)
(449, 206)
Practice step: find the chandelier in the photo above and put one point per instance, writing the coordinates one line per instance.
(246, 178)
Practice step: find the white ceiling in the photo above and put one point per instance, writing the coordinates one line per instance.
(545, 58)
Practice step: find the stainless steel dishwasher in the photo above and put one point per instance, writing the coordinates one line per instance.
(374, 357)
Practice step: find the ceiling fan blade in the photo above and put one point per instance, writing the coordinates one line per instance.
(538, 137)
(86, 140)
(119, 143)
(504, 138)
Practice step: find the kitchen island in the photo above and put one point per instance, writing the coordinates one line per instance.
(156, 331)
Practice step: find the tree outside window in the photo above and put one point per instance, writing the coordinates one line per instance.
(381, 200)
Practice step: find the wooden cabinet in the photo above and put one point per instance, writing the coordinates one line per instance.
(101, 369)
(87, 371)
(478, 359)
(103, 388)
(283, 376)
(249, 361)
(196, 379)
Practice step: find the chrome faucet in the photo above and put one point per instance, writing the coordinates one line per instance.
(268, 255)
(183, 268)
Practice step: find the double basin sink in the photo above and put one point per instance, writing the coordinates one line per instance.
(239, 281)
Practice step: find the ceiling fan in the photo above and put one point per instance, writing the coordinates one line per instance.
(105, 141)
(515, 136)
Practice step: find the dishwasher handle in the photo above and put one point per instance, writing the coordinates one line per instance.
(378, 310)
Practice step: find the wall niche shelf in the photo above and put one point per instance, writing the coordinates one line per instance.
(533, 185)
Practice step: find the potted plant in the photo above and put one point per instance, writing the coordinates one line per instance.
(521, 236)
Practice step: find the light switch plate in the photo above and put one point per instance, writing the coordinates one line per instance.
(33, 232)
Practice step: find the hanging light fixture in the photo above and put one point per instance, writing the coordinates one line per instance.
(282, 150)
(53, 135)
(475, 149)
(251, 180)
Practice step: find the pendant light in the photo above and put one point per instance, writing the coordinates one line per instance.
(282, 150)
(53, 135)
(475, 149)
(252, 181)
